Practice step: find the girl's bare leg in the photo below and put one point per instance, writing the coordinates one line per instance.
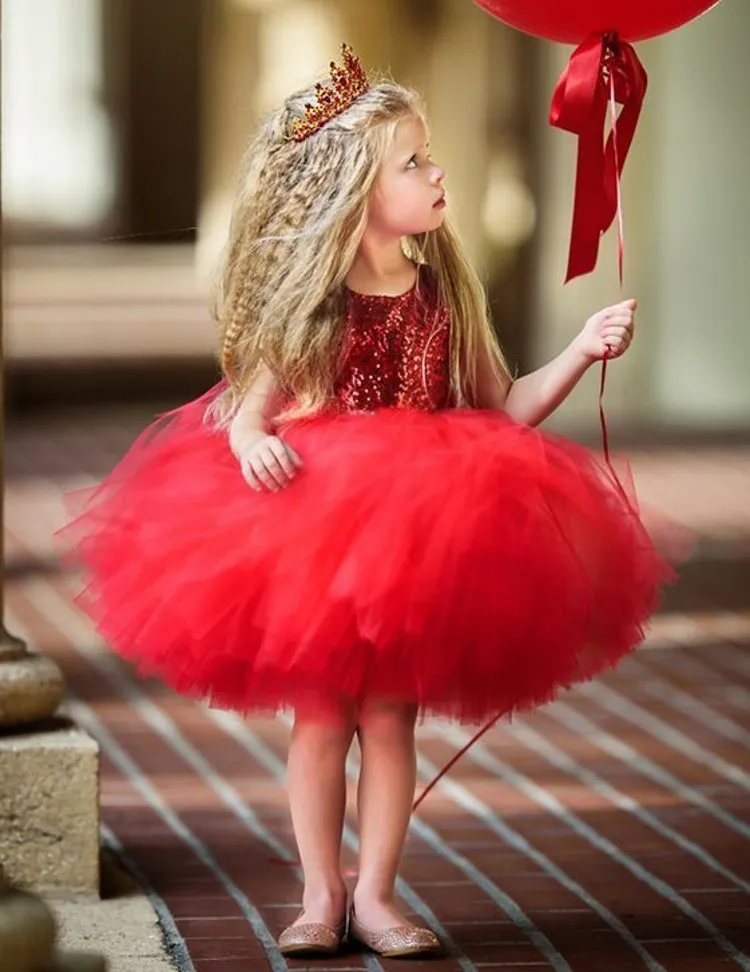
(317, 799)
(386, 793)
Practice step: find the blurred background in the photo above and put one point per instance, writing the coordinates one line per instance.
(123, 126)
(124, 122)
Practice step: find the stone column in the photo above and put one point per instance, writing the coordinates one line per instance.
(697, 244)
(31, 687)
(442, 50)
(49, 813)
(28, 933)
(396, 37)
(256, 53)
(230, 70)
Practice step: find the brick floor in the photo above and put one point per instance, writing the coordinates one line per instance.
(607, 832)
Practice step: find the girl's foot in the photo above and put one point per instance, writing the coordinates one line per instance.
(376, 914)
(319, 929)
(381, 927)
(311, 938)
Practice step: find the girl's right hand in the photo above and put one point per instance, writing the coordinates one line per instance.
(267, 462)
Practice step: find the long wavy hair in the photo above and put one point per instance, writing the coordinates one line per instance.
(299, 217)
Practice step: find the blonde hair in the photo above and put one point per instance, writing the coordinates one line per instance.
(299, 218)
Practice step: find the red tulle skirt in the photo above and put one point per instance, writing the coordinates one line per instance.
(456, 560)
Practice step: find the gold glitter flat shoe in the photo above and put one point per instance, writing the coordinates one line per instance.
(311, 938)
(400, 942)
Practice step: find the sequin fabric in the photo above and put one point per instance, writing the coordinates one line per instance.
(396, 352)
(395, 942)
(311, 938)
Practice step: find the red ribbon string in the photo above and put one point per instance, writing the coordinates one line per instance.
(602, 70)
(452, 762)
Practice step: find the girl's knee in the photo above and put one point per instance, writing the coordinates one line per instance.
(387, 721)
(326, 726)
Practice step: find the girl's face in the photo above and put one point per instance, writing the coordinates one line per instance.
(408, 197)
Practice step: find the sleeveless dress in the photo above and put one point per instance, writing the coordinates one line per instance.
(450, 558)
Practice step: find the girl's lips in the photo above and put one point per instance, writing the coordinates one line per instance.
(440, 204)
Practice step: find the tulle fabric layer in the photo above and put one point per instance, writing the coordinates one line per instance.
(456, 560)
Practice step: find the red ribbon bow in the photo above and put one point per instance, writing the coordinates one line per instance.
(602, 71)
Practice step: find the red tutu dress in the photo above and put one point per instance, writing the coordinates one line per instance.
(452, 558)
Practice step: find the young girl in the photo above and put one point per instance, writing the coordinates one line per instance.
(360, 523)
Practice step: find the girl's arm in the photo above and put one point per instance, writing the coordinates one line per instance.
(534, 397)
(254, 418)
(266, 461)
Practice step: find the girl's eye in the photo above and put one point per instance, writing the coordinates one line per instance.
(412, 163)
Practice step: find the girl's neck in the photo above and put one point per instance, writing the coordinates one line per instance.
(379, 269)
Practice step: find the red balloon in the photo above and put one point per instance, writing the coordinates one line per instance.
(573, 21)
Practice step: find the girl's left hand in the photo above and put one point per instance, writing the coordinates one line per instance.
(609, 332)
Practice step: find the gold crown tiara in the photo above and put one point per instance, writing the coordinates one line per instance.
(348, 82)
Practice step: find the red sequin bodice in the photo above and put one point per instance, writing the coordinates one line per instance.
(396, 352)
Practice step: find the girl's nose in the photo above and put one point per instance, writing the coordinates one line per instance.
(438, 174)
